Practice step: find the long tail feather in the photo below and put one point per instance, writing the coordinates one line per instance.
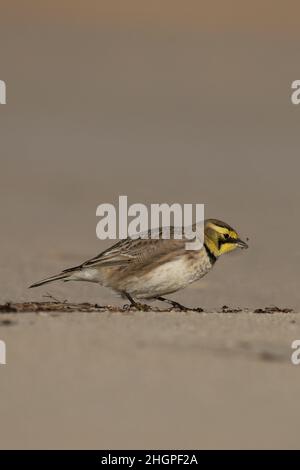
(50, 279)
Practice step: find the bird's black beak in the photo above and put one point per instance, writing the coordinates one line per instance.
(241, 244)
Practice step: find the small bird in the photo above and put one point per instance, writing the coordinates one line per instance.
(139, 268)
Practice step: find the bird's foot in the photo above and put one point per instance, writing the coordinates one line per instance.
(181, 307)
(127, 307)
(141, 307)
(177, 305)
(137, 305)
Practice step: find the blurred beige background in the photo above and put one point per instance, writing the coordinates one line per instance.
(164, 101)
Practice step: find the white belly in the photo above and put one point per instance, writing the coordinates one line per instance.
(160, 280)
(164, 279)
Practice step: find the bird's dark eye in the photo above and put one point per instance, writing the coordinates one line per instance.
(226, 235)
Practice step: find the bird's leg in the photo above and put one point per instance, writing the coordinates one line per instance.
(135, 304)
(175, 304)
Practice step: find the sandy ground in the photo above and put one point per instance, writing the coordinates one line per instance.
(149, 380)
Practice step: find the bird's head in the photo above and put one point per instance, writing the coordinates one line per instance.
(220, 238)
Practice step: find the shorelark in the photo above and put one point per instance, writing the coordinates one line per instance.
(152, 268)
